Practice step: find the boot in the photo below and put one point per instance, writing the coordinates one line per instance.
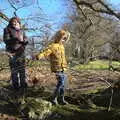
(55, 96)
(54, 101)
(62, 100)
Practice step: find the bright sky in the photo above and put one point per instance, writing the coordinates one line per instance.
(115, 2)
(54, 10)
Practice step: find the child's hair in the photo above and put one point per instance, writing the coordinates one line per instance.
(59, 34)
(14, 18)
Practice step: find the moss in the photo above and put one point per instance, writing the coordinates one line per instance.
(72, 112)
(97, 65)
(66, 112)
(96, 108)
(93, 91)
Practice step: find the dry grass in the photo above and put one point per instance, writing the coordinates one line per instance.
(82, 81)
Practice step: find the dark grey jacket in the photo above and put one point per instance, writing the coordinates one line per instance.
(12, 39)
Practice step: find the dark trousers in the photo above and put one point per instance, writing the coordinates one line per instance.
(17, 67)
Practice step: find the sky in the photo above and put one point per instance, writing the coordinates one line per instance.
(54, 11)
(114, 2)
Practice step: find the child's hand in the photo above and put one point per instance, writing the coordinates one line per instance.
(34, 57)
(10, 54)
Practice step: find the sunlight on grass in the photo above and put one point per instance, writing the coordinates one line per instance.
(97, 65)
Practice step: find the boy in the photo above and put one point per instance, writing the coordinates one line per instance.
(58, 63)
(15, 41)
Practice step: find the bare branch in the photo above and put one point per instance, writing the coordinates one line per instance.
(13, 7)
(3, 16)
(107, 9)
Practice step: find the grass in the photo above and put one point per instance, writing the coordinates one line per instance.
(78, 109)
(71, 112)
(97, 65)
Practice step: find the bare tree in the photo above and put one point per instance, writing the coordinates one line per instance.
(90, 32)
(93, 5)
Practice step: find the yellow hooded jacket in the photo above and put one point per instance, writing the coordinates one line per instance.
(56, 52)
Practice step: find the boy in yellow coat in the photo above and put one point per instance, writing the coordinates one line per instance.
(58, 62)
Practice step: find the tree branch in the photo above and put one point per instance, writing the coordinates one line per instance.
(3, 16)
(108, 10)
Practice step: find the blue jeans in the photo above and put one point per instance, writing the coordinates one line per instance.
(17, 67)
(60, 87)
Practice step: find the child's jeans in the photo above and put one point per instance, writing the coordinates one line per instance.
(60, 87)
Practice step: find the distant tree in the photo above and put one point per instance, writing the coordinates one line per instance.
(91, 31)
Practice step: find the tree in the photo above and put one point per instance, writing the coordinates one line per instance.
(93, 5)
(91, 31)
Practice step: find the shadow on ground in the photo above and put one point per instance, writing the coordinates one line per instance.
(81, 107)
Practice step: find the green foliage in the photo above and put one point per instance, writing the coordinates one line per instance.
(97, 65)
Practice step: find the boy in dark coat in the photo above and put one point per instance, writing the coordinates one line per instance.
(15, 41)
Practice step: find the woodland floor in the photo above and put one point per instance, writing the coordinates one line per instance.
(88, 92)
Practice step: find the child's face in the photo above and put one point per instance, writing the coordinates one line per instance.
(15, 23)
(64, 38)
